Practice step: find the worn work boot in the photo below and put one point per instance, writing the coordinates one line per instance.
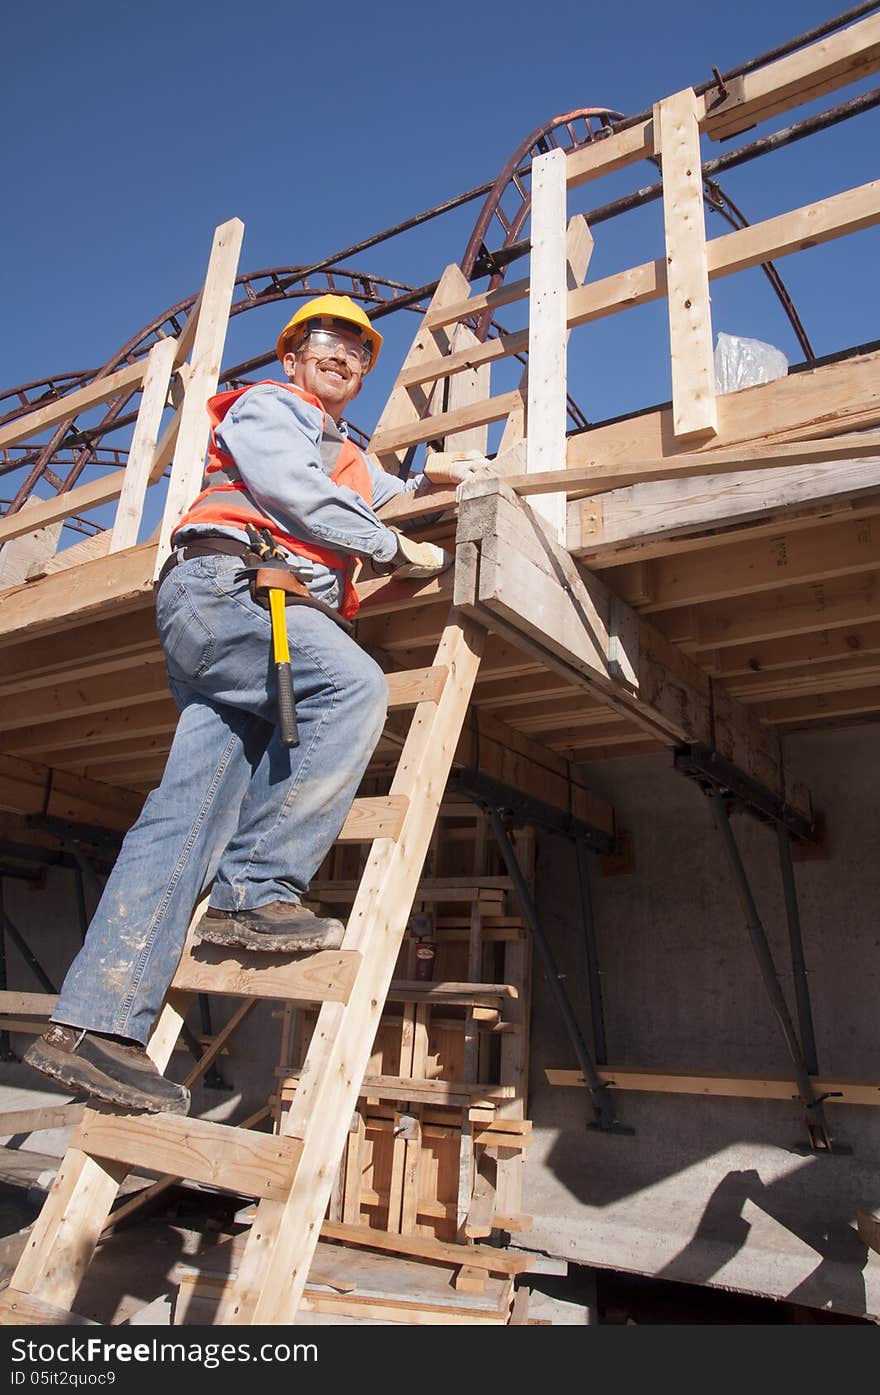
(282, 925)
(111, 1071)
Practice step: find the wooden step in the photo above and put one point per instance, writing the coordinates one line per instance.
(326, 976)
(218, 1155)
(372, 817)
(409, 687)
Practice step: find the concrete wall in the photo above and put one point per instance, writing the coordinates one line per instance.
(714, 1190)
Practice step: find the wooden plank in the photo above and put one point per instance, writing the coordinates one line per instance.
(470, 385)
(201, 382)
(399, 1087)
(481, 1213)
(694, 412)
(832, 62)
(73, 404)
(797, 230)
(823, 401)
(22, 1309)
(275, 1264)
(817, 554)
(445, 423)
(323, 976)
(354, 1171)
(217, 1155)
(788, 610)
(821, 707)
(596, 480)
(547, 380)
(29, 788)
(109, 585)
(58, 1116)
(631, 521)
(143, 445)
(86, 551)
(609, 153)
(769, 1087)
(28, 549)
(107, 692)
(485, 1257)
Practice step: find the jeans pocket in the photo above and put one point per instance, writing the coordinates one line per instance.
(186, 639)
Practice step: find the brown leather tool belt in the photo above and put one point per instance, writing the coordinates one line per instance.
(261, 579)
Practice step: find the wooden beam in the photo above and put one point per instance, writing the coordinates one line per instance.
(788, 610)
(813, 647)
(592, 480)
(768, 1087)
(824, 402)
(73, 404)
(104, 587)
(639, 520)
(29, 788)
(694, 413)
(763, 564)
(524, 585)
(795, 231)
(547, 404)
(800, 77)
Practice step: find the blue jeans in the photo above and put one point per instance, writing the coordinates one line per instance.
(234, 806)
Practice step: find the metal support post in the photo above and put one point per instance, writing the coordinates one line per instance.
(798, 963)
(599, 1092)
(820, 1137)
(594, 982)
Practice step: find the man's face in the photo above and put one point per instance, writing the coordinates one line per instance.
(328, 365)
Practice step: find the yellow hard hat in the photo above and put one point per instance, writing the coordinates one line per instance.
(336, 307)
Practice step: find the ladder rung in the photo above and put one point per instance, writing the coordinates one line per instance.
(410, 686)
(235, 1160)
(374, 816)
(324, 977)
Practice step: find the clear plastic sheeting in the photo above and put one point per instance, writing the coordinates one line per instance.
(742, 363)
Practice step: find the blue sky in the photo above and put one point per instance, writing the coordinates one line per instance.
(132, 131)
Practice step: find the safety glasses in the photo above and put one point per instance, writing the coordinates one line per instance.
(323, 342)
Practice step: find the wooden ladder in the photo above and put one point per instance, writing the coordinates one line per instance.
(291, 1172)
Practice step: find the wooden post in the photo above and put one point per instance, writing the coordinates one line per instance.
(547, 331)
(210, 336)
(578, 251)
(687, 273)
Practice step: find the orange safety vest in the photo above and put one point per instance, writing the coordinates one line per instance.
(225, 501)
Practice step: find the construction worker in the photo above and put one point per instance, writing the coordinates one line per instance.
(236, 809)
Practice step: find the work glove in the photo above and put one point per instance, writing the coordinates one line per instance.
(417, 560)
(457, 467)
